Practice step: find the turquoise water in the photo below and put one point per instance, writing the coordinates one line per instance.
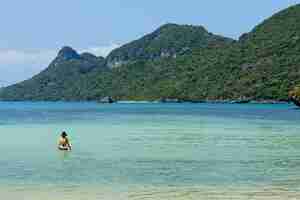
(127, 151)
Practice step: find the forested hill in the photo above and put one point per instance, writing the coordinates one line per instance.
(170, 40)
(178, 62)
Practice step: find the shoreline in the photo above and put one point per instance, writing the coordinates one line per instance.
(156, 101)
(207, 102)
(144, 192)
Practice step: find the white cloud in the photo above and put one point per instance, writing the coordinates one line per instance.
(17, 65)
(8, 57)
(101, 50)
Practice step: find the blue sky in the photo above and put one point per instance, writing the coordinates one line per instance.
(32, 31)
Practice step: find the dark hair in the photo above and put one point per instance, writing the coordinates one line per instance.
(64, 134)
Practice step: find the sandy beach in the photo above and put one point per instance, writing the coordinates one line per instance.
(144, 193)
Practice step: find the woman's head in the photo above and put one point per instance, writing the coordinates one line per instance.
(64, 134)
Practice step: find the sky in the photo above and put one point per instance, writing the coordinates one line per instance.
(33, 31)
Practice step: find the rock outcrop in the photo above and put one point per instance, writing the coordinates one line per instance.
(294, 96)
(67, 53)
(107, 100)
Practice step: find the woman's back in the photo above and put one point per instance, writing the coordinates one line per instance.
(63, 141)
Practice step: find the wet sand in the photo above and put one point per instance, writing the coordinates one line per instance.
(144, 193)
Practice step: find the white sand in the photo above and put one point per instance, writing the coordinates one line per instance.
(147, 193)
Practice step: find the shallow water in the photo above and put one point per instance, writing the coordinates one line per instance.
(150, 151)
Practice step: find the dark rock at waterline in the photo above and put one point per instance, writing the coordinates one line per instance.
(194, 101)
(107, 100)
(295, 101)
(244, 101)
(294, 95)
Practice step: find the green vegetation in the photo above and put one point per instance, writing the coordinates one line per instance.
(170, 40)
(179, 62)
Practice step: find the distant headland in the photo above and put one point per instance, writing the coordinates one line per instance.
(179, 63)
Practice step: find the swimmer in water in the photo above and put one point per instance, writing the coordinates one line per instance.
(64, 143)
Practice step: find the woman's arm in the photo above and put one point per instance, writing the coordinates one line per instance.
(68, 143)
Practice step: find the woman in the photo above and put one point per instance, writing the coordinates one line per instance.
(64, 143)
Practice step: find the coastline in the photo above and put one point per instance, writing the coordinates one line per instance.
(173, 101)
(237, 101)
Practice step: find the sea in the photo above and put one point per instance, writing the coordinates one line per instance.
(145, 151)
